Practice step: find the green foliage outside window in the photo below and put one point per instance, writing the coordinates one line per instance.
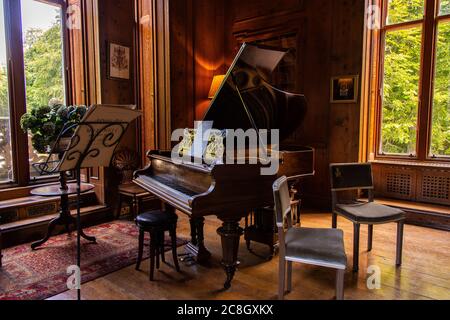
(402, 58)
(44, 65)
(441, 103)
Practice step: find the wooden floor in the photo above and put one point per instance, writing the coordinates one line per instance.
(425, 273)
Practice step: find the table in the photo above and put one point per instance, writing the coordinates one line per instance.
(134, 194)
(65, 218)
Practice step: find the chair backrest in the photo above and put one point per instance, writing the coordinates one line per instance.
(282, 202)
(351, 176)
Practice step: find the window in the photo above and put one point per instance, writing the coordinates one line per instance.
(413, 118)
(32, 74)
(43, 58)
(6, 165)
(440, 143)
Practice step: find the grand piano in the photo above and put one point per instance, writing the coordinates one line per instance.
(246, 100)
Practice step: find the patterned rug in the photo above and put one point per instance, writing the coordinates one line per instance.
(37, 275)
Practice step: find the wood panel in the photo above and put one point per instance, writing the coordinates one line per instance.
(205, 37)
(146, 77)
(331, 44)
(182, 52)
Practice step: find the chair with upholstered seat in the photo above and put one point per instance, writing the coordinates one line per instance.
(357, 176)
(319, 247)
(157, 223)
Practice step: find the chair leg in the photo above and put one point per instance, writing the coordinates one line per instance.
(334, 221)
(289, 276)
(162, 247)
(134, 208)
(152, 256)
(157, 249)
(370, 237)
(400, 227)
(356, 229)
(119, 207)
(173, 236)
(340, 284)
(281, 277)
(140, 249)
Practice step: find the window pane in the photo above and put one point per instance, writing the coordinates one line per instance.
(440, 144)
(404, 10)
(43, 55)
(444, 7)
(6, 167)
(400, 91)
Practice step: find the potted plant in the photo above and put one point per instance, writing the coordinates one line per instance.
(45, 124)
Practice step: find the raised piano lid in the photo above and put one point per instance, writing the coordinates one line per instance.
(247, 100)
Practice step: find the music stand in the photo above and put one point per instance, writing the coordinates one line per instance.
(93, 144)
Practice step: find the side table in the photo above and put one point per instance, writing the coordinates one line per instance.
(65, 218)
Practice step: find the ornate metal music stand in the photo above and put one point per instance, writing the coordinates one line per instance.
(88, 145)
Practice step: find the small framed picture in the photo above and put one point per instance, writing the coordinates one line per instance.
(119, 64)
(344, 89)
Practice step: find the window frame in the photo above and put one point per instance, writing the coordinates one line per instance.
(429, 24)
(17, 88)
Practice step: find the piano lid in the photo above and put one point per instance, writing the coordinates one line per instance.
(247, 100)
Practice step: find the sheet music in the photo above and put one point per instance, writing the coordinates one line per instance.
(97, 136)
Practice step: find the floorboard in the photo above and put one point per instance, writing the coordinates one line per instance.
(425, 273)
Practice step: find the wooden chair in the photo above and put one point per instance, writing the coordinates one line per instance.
(319, 247)
(355, 176)
(157, 223)
(125, 161)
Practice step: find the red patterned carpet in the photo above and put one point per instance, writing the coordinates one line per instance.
(37, 275)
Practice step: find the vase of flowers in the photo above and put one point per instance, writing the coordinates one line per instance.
(45, 124)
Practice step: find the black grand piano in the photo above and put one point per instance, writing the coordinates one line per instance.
(246, 100)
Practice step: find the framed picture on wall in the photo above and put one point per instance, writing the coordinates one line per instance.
(345, 89)
(119, 64)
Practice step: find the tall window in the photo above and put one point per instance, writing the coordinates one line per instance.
(6, 164)
(414, 80)
(32, 74)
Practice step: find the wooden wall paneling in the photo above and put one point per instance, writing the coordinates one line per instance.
(146, 77)
(347, 44)
(182, 64)
(248, 9)
(116, 23)
(76, 54)
(209, 57)
(162, 72)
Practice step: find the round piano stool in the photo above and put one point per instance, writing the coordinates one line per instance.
(157, 223)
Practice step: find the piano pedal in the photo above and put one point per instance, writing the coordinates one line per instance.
(188, 259)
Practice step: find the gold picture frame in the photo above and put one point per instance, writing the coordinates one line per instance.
(344, 89)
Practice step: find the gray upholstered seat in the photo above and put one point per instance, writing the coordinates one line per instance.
(369, 212)
(358, 176)
(320, 247)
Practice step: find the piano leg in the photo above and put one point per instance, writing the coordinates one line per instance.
(230, 233)
(198, 241)
(196, 251)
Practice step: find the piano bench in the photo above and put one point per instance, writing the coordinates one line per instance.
(157, 223)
